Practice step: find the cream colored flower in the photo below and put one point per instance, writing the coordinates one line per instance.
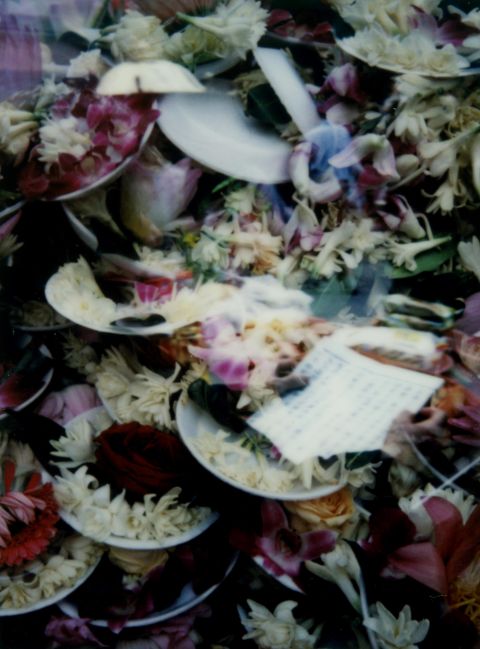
(403, 253)
(137, 38)
(277, 630)
(58, 573)
(396, 633)
(73, 489)
(80, 548)
(469, 252)
(137, 562)
(341, 567)
(58, 136)
(16, 130)
(87, 64)
(76, 446)
(18, 594)
(152, 393)
(238, 24)
(331, 511)
(95, 522)
(211, 249)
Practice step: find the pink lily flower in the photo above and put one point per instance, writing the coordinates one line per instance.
(64, 406)
(283, 549)
(66, 631)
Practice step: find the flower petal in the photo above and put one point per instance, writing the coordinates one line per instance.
(422, 562)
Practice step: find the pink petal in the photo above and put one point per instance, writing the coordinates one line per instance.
(467, 548)
(422, 562)
(447, 522)
(316, 543)
(273, 517)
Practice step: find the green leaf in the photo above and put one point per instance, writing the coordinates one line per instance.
(426, 261)
(264, 105)
(330, 295)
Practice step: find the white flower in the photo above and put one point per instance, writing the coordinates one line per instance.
(73, 489)
(16, 129)
(277, 630)
(404, 253)
(87, 64)
(65, 135)
(138, 38)
(211, 249)
(95, 522)
(152, 393)
(18, 594)
(397, 633)
(469, 252)
(341, 567)
(76, 446)
(239, 24)
(472, 19)
(59, 572)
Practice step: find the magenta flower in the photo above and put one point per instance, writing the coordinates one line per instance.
(225, 353)
(283, 549)
(63, 406)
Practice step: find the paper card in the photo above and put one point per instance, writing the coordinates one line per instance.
(348, 405)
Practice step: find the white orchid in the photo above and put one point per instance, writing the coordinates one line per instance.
(397, 633)
(277, 630)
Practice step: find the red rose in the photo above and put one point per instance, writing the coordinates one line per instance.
(141, 459)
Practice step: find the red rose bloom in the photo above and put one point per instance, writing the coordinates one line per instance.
(141, 459)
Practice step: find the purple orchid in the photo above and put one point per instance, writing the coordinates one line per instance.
(71, 632)
(283, 549)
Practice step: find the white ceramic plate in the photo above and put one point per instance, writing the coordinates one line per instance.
(212, 129)
(59, 595)
(121, 542)
(45, 382)
(187, 600)
(191, 420)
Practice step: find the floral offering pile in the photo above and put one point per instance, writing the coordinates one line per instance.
(239, 324)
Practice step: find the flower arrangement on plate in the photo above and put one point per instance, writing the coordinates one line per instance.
(41, 562)
(134, 588)
(127, 485)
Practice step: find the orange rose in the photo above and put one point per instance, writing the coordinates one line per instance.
(331, 511)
